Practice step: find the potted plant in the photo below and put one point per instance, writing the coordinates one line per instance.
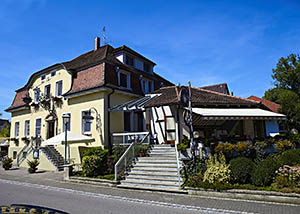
(33, 165)
(7, 163)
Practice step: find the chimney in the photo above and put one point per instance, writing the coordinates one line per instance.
(97, 43)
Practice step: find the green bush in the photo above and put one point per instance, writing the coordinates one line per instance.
(289, 157)
(184, 144)
(283, 145)
(7, 163)
(241, 170)
(93, 166)
(264, 172)
(107, 177)
(195, 180)
(33, 165)
(217, 170)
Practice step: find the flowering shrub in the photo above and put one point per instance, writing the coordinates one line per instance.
(260, 147)
(217, 170)
(287, 176)
(283, 145)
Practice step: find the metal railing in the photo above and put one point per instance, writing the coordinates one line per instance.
(178, 167)
(26, 149)
(128, 157)
(52, 152)
(128, 138)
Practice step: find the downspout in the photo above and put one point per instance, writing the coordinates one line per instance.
(108, 122)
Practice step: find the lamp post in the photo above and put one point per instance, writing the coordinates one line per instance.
(66, 120)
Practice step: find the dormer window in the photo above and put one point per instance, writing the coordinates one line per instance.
(147, 68)
(129, 60)
(123, 79)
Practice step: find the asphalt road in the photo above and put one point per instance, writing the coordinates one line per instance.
(73, 201)
(78, 201)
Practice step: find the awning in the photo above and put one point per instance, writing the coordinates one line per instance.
(236, 114)
(134, 105)
(4, 143)
(71, 138)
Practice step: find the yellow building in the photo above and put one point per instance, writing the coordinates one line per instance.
(84, 89)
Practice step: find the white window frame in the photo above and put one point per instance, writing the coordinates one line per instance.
(43, 77)
(128, 79)
(145, 85)
(36, 119)
(63, 124)
(27, 128)
(45, 94)
(83, 121)
(53, 73)
(56, 88)
(37, 91)
(17, 130)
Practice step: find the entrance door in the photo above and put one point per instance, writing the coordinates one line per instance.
(50, 131)
(170, 129)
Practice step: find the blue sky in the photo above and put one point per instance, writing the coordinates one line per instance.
(207, 42)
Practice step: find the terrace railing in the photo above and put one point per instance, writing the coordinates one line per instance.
(129, 156)
(129, 138)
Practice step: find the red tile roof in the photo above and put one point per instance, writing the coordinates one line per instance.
(200, 97)
(18, 101)
(269, 104)
(89, 72)
(221, 88)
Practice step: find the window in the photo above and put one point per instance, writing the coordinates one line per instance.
(47, 91)
(68, 124)
(17, 128)
(37, 95)
(38, 127)
(27, 128)
(58, 88)
(86, 123)
(127, 121)
(15, 154)
(129, 60)
(43, 77)
(147, 67)
(53, 73)
(147, 86)
(124, 79)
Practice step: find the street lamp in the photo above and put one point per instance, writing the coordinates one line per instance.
(66, 120)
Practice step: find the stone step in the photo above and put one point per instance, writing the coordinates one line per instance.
(156, 170)
(164, 189)
(162, 155)
(157, 161)
(149, 185)
(152, 182)
(161, 175)
(153, 178)
(158, 158)
(162, 152)
(144, 165)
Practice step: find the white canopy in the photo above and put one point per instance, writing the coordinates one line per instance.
(71, 138)
(237, 113)
(4, 143)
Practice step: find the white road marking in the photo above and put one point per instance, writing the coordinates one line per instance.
(132, 200)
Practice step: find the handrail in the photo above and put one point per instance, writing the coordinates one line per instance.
(129, 133)
(178, 167)
(20, 157)
(52, 152)
(128, 151)
(127, 138)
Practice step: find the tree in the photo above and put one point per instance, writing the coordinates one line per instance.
(5, 132)
(286, 92)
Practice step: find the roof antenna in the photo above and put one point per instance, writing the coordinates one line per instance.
(104, 36)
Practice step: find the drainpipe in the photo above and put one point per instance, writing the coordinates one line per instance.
(108, 122)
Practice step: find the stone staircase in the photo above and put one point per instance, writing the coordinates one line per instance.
(158, 171)
(54, 157)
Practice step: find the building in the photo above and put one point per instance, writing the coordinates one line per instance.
(272, 128)
(84, 88)
(217, 115)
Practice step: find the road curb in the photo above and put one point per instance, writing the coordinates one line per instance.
(290, 198)
(85, 180)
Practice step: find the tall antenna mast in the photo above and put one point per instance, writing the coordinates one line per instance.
(104, 37)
